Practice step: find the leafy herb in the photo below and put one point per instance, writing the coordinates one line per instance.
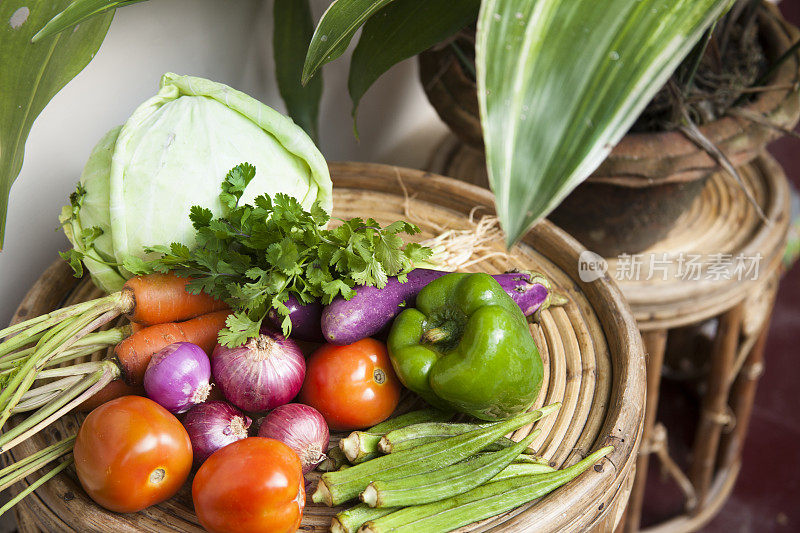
(256, 256)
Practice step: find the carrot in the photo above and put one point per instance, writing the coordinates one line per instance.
(134, 353)
(115, 389)
(162, 298)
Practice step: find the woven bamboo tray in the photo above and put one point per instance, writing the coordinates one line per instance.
(591, 349)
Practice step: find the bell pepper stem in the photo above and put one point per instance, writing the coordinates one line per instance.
(435, 335)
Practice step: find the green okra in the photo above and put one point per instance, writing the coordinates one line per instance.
(410, 418)
(523, 469)
(338, 487)
(482, 502)
(362, 446)
(334, 459)
(350, 520)
(443, 483)
(419, 434)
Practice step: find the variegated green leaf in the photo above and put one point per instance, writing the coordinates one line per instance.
(561, 81)
(32, 73)
(335, 30)
(77, 12)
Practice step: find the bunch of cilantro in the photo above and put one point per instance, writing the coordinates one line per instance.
(256, 256)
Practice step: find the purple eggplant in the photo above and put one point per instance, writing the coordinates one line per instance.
(347, 321)
(305, 319)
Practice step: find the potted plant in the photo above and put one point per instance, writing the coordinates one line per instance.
(740, 87)
(538, 151)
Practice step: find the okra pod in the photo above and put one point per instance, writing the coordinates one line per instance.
(350, 520)
(523, 469)
(419, 434)
(338, 487)
(334, 459)
(479, 503)
(441, 484)
(362, 446)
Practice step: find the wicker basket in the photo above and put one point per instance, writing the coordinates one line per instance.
(591, 348)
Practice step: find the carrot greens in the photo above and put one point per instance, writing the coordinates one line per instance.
(255, 256)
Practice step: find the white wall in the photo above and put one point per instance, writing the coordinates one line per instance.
(224, 40)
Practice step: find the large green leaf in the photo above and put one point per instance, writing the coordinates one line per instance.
(32, 73)
(293, 27)
(560, 82)
(335, 29)
(77, 12)
(402, 30)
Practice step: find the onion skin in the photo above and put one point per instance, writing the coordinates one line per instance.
(262, 374)
(178, 376)
(302, 428)
(214, 425)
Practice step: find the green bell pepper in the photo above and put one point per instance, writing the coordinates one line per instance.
(467, 347)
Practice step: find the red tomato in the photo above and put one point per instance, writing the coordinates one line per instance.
(353, 386)
(252, 485)
(132, 453)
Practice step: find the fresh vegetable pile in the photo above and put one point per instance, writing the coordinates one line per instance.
(265, 326)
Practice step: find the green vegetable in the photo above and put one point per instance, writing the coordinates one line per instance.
(362, 446)
(448, 481)
(516, 469)
(419, 434)
(350, 520)
(338, 487)
(165, 159)
(334, 460)
(256, 256)
(479, 503)
(466, 346)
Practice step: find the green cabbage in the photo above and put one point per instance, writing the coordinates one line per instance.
(173, 153)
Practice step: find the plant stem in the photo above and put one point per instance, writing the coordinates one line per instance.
(24, 467)
(72, 370)
(57, 385)
(70, 399)
(52, 347)
(8, 348)
(35, 485)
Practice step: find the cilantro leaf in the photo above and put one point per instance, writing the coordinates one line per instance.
(236, 181)
(238, 328)
(255, 256)
(74, 258)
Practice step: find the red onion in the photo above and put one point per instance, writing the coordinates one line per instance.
(213, 425)
(262, 374)
(178, 377)
(302, 428)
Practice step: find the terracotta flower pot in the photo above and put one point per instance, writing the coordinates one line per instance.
(649, 179)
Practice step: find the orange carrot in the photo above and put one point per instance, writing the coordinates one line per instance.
(162, 298)
(115, 389)
(134, 353)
